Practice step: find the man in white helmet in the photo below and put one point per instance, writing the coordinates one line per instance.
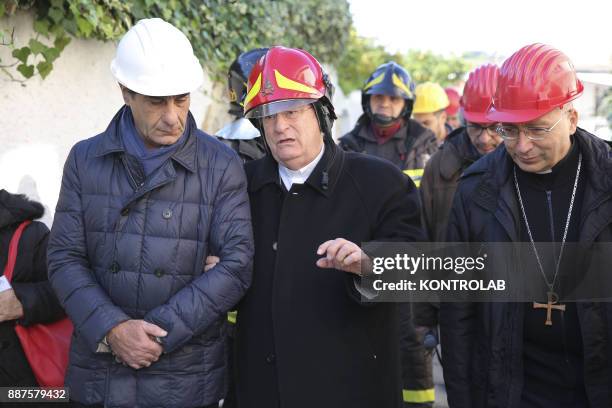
(141, 205)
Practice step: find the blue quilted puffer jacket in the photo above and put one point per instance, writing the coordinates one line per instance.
(124, 246)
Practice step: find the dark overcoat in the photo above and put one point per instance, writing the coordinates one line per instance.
(305, 339)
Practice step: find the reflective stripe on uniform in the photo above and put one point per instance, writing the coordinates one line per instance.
(419, 396)
(231, 316)
(415, 175)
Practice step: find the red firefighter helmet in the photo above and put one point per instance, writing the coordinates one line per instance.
(453, 99)
(478, 93)
(532, 82)
(285, 79)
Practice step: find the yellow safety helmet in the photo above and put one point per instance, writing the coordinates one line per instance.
(430, 98)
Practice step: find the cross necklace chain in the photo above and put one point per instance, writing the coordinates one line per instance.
(553, 298)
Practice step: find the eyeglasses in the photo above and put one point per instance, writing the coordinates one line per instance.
(476, 130)
(288, 115)
(533, 133)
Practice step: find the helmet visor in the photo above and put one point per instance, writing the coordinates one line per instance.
(272, 108)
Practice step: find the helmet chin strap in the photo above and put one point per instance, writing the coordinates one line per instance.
(384, 120)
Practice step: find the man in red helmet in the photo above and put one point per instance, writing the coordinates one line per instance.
(549, 184)
(305, 338)
(462, 147)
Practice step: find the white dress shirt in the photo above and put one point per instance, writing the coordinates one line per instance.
(290, 177)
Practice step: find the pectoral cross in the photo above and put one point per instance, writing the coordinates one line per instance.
(550, 305)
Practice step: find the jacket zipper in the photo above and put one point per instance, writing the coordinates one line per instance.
(135, 185)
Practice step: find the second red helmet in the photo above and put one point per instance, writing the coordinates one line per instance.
(478, 93)
(453, 99)
(532, 82)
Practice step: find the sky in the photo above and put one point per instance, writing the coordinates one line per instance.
(582, 29)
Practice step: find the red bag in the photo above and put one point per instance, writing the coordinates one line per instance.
(46, 346)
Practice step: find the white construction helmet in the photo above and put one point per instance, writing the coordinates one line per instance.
(154, 58)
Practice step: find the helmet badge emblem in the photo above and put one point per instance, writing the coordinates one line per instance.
(268, 88)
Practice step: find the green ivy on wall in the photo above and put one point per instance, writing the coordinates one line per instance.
(219, 30)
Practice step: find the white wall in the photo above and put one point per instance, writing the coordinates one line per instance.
(595, 85)
(41, 119)
(347, 107)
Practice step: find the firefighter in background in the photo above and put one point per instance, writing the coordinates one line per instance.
(240, 134)
(386, 130)
(245, 139)
(462, 147)
(453, 113)
(430, 109)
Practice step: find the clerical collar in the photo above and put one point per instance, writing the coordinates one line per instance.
(290, 177)
(560, 174)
